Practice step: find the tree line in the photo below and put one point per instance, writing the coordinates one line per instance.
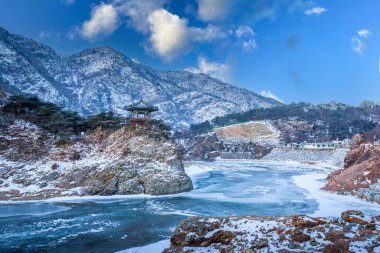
(341, 120)
(55, 119)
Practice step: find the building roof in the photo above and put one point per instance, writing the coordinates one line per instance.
(141, 106)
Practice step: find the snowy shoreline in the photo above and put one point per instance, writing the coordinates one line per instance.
(330, 204)
(311, 180)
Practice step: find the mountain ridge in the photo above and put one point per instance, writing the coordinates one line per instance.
(104, 79)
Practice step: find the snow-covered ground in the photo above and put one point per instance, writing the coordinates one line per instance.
(150, 248)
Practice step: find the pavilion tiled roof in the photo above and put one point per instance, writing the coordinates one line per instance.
(141, 105)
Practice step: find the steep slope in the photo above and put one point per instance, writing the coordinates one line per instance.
(103, 79)
(36, 164)
(300, 122)
(361, 173)
(3, 98)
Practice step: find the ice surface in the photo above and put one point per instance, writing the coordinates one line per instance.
(222, 188)
(36, 209)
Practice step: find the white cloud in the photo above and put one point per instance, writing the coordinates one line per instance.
(68, 1)
(209, 33)
(103, 21)
(365, 33)
(168, 33)
(244, 31)
(315, 11)
(135, 60)
(171, 36)
(357, 41)
(46, 35)
(249, 45)
(358, 45)
(246, 34)
(137, 11)
(214, 69)
(209, 10)
(269, 94)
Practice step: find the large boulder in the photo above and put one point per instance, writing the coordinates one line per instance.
(277, 234)
(361, 168)
(132, 160)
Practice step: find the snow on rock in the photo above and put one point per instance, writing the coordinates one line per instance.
(353, 231)
(361, 173)
(35, 164)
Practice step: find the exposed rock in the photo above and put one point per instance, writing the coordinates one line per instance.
(339, 246)
(208, 147)
(361, 170)
(303, 221)
(129, 161)
(354, 216)
(201, 147)
(298, 236)
(275, 234)
(356, 141)
(335, 235)
(262, 243)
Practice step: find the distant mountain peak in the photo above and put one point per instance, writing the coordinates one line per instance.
(103, 79)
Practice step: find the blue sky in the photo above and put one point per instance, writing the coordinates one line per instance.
(298, 50)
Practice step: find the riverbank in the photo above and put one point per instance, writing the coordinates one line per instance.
(352, 232)
(329, 205)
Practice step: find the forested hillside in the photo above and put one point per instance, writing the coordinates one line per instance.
(305, 122)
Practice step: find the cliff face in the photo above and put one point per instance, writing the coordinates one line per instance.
(208, 147)
(353, 232)
(35, 164)
(361, 170)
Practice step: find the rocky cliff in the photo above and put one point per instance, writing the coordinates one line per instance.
(353, 232)
(361, 172)
(209, 147)
(133, 160)
(102, 79)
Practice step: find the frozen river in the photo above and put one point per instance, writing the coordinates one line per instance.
(115, 223)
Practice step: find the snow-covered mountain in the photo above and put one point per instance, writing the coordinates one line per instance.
(102, 79)
(3, 98)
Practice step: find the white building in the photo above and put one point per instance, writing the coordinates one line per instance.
(318, 146)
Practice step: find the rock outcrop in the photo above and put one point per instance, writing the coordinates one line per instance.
(133, 160)
(208, 147)
(361, 171)
(353, 232)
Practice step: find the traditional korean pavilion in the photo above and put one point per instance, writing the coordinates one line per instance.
(140, 112)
